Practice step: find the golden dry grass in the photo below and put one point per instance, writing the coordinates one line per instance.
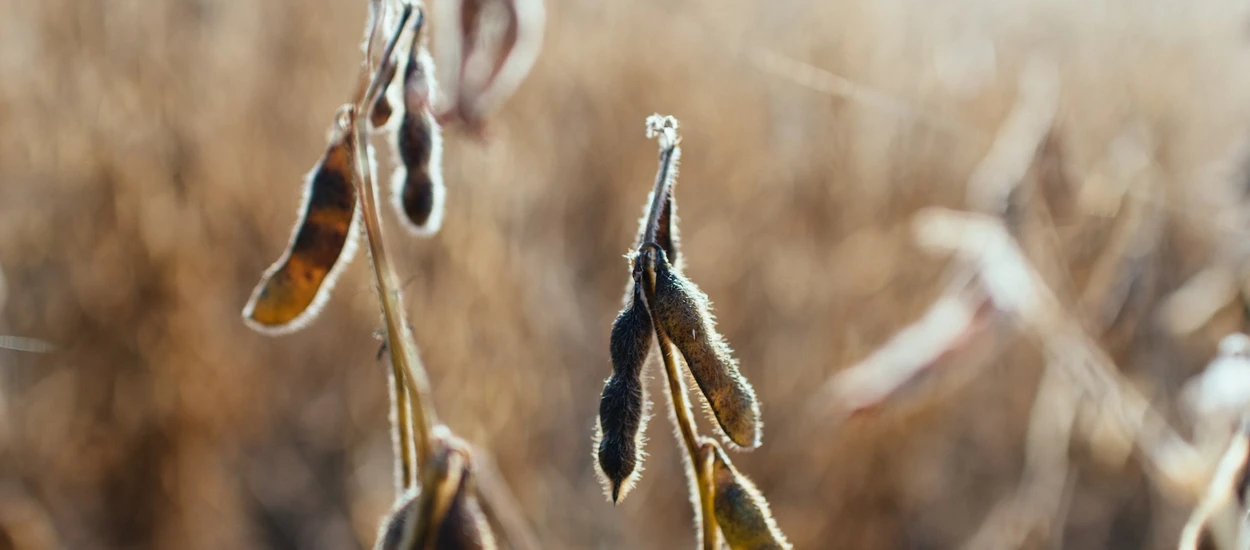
(151, 155)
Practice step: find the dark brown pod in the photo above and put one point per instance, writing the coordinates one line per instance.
(381, 111)
(622, 406)
(417, 186)
(293, 290)
(682, 311)
(741, 511)
(444, 513)
(463, 526)
(392, 532)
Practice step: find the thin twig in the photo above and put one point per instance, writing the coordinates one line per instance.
(399, 340)
(666, 129)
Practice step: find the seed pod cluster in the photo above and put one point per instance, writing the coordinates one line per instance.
(293, 290)
(741, 511)
(663, 306)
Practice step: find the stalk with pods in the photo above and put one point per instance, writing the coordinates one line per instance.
(437, 502)
(664, 307)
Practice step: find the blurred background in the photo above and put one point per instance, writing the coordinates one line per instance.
(151, 161)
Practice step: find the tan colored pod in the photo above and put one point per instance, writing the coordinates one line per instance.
(682, 312)
(741, 511)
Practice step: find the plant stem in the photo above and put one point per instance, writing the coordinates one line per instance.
(402, 427)
(690, 437)
(707, 495)
(666, 128)
(406, 364)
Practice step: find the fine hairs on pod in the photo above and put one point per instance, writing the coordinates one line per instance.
(417, 190)
(682, 311)
(623, 404)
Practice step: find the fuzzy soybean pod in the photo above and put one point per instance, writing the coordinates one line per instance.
(462, 525)
(682, 311)
(741, 511)
(293, 290)
(382, 109)
(443, 514)
(417, 188)
(622, 406)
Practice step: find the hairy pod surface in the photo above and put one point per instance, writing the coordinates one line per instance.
(417, 186)
(293, 290)
(443, 513)
(741, 511)
(463, 526)
(622, 406)
(681, 310)
(391, 534)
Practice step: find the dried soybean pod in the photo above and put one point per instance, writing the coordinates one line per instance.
(391, 533)
(682, 311)
(623, 404)
(414, 521)
(417, 185)
(293, 290)
(741, 511)
(461, 523)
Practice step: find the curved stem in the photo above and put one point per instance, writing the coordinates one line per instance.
(683, 416)
(707, 496)
(406, 363)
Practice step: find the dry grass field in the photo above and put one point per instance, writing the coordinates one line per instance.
(151, 156)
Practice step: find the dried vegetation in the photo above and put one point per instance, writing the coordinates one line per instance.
(1085, 259)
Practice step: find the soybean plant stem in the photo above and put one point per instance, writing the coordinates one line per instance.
(406, 363)
(663, 176)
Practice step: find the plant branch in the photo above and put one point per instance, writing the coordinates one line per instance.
(406, 363)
